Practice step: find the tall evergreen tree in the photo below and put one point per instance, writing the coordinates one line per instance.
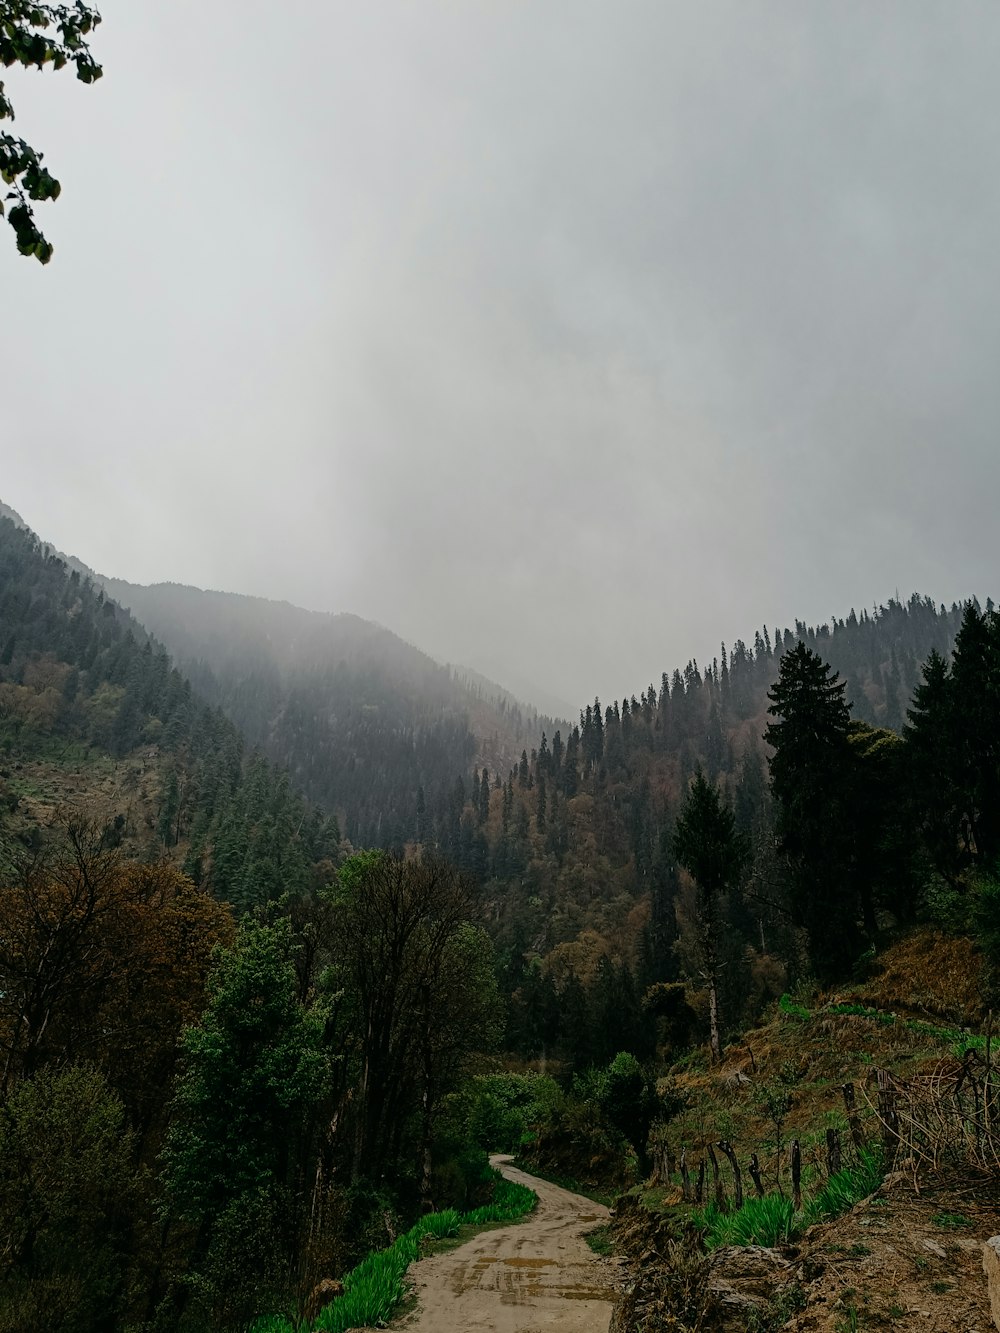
(811, 776)
(710, 849)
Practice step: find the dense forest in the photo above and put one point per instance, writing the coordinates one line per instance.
(238, 1053)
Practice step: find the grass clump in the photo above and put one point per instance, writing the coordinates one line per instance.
(846, 1188)
(766, 1221)
(510, 1201)
(792, 1009)
(599, 1240)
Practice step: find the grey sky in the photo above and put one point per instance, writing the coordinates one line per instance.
(565, 339)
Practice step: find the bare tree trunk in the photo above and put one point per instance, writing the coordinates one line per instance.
(713, 1018)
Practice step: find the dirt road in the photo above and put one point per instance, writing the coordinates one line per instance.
(539, 1275)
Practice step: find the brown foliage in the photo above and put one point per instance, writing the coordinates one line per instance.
(102, 960)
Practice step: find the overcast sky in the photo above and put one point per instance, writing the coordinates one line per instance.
(565, 339)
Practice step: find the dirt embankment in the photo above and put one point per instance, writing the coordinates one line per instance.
(903, 1259)
(537, 1275)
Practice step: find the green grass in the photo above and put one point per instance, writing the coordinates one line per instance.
(599, 1240)
(583, 1188)
(959, 1042)
(792, 1009)
(846, 1188)
(510, 1201)
(374, 1289)
(773, 1221)
(766, 1221)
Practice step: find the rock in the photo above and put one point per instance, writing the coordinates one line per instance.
(744, 1278)
(991, 1267)
(325, 1291)
(934, 1248)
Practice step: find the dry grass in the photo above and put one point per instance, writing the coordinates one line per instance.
(927, 983)
(930, 973)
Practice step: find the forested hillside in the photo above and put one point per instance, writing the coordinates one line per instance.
(366, 725)
(93, 714)
(576, 843)
(226, 1046)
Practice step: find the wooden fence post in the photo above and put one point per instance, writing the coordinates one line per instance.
(888, 1116)
(758, 1184)
(727, 1148)
(796, 1176)
(834, 1161)
(853, 1119)
(720, 1194)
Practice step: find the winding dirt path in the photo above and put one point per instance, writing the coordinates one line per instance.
(537, 1275)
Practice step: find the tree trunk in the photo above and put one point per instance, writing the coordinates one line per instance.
(713, 1018)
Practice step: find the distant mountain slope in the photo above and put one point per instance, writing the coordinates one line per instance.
(366, 724)
(94, 716)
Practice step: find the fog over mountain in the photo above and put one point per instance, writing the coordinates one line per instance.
(562, 340)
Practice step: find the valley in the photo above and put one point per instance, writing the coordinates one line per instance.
(636, 950)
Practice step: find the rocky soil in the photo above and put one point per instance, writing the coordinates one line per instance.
(906, 1258)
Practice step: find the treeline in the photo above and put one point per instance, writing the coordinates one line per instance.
(228, 1047)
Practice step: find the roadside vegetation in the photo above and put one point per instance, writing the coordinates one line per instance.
(374, 1289)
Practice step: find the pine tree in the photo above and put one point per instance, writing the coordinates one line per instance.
(811, 777)
(710, 849)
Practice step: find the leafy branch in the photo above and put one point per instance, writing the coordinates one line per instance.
(37, 35)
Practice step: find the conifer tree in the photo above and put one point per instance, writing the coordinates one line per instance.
(710, 849)
(811, 777)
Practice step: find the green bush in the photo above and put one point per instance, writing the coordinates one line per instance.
(68, 1189)
(502, 1110)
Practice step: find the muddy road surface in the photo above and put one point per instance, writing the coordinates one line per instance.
(537, 1276)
